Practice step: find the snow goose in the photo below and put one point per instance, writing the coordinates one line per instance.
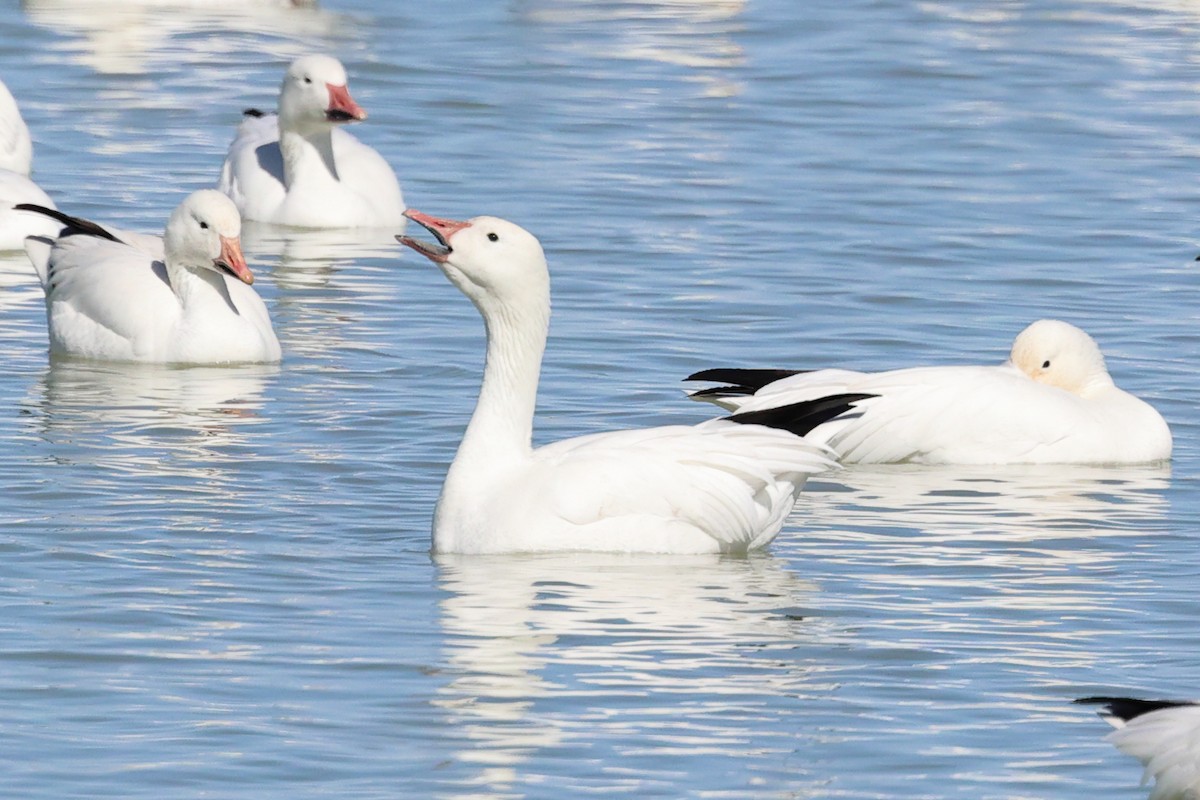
(300, 168)
(184, 298)
(1052, 402)
(16, 160)
(717, 487)
(1162, 734)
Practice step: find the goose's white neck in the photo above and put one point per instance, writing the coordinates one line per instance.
(501, 429)
(499, 438)
(198, 288)
(308, 161)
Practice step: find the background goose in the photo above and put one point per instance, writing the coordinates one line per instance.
(16, 161)
(1053, 401)
(184, 298)
(1162, 734)
(300, 168)
(719, 486)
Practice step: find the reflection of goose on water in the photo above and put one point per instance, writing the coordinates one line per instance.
(149, 411)
(544, 650)
(302, 257)
(132, 36)
(1164, 735)
(333, 285)
(1052, 402)
(1020, 535)
(83, 392)
(694, 34)
(1016, 502)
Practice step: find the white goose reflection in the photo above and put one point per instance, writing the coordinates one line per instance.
(303, 259)
(137, 36)
(1024, 501)
(330, 284)
(149, 419)
(1025, 520)
(695, 34)
(688, 637)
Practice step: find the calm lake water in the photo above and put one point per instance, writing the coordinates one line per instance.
(216, 582)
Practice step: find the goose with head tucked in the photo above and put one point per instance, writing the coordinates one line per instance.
(1164, 735)
(184, 298)
(300, 168)
(1052, 402)
(723, 486)
(16, 187)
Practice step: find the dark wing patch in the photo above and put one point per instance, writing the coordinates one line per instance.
(800, 418)
(741, 381)
(73, 224)
(1128, 708)
(253, 112)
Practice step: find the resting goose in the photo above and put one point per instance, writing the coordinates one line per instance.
(1052, 402)
(724, 486)
(183, 299)
(1162, 734)
(299, 168)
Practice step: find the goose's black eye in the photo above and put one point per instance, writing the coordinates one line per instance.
(204, 226)
(307, 79)
(492, 237)
(1045, 365)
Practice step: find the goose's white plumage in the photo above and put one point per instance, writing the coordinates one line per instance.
(1052, 402)
(299, 168)
(16, 161)
(184, 298)
(715, 487)
(1164, 736)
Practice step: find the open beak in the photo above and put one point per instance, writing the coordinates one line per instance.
(442, 230)
(232, 261)
(342, 107)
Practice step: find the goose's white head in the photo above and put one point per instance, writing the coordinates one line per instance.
(1059, 354)
(494, 262)
(314, 95)
(204, 232)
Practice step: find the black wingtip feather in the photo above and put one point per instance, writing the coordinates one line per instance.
(752, 379)
(801, 418)
(1128, 708)
(73, 224)
(253, 112)
(722, 391)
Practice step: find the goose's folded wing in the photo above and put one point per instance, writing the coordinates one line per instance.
(734, 482)
(957, 414)
(115, 287)
(1168, 743)
(254, 165)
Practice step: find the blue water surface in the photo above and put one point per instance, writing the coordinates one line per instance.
(216, 582)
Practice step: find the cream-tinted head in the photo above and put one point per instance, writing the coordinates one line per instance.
(204, 232)
(1058, 354)
(314, 94)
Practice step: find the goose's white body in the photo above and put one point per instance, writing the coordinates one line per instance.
(1165, 740)
(715, 487)
(16, 161)
(299, 168)
(1016, 412)
(143, 299)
